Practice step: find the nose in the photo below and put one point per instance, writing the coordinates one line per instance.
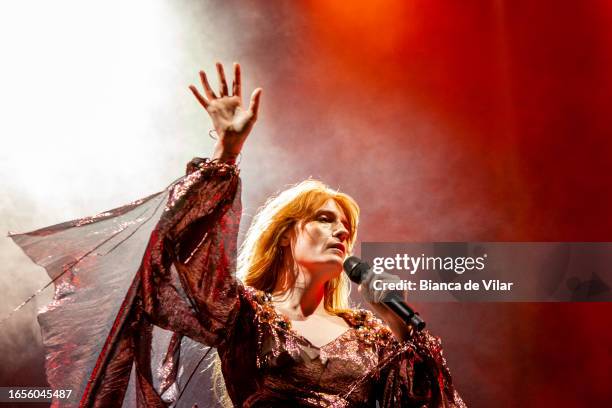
(341, 232)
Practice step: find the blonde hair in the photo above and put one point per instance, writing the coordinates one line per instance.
(260, 259)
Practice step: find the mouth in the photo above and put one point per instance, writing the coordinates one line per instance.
(340, 247)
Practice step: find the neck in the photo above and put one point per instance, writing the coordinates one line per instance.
(304, 298)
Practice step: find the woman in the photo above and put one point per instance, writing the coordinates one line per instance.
(285, 335)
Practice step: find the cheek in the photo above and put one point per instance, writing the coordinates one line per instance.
(317, 233)
(311, 239)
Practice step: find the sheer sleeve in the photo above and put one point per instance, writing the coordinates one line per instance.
(134, 285)
(415, 374)
(188, 283)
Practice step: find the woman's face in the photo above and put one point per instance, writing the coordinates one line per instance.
(320, 244)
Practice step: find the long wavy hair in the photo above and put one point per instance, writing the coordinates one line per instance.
(261, 259)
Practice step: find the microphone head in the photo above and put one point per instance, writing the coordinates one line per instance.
(355, 268)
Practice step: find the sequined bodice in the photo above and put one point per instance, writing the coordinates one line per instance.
(289, 369)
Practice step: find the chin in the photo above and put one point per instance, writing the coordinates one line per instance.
(335, 260)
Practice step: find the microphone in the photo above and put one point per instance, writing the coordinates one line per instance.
(358, 271)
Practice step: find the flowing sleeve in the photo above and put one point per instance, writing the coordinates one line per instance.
(188, 283)
(138, 289)
(414, 373)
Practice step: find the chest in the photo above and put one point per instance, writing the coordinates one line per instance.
(339, 369)
(320, 331)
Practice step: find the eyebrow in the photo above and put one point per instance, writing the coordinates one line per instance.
(334, 215)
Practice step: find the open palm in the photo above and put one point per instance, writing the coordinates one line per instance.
(230, 119)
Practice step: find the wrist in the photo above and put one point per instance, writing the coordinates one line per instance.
(224, 155)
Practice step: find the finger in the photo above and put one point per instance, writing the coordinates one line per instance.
(237, 85)
(199, 97)
(207, 89)
(254, 104)
(222, 81)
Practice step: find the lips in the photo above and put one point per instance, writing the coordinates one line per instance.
(339, 246)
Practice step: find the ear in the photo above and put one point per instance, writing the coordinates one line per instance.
(287, 236)
(285, 240)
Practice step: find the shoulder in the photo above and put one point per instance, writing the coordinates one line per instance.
(261, 303)
(363, 318)
(370, 328)
(256, 296)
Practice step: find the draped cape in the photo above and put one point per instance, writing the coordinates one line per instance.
(107, 269)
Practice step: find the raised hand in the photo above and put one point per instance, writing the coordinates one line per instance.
(231, 120)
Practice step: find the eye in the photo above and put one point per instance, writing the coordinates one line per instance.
(323, 218)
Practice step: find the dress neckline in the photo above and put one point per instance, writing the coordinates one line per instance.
(288, 326)
(299, 336)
